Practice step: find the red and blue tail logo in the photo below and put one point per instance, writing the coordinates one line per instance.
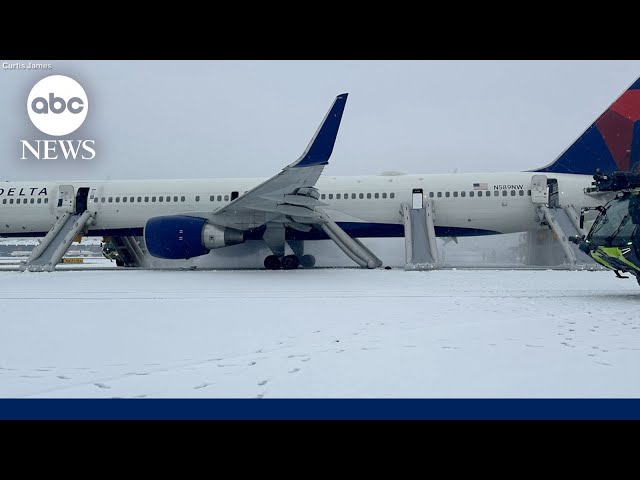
(611, 144)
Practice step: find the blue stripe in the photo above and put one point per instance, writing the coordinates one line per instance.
(372, 230)
(320, 409)
(355, 229)
(634, 155)
(636, 85)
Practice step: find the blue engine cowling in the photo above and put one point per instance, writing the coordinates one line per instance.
(175, 237)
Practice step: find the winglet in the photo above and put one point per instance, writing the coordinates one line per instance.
(321, 145)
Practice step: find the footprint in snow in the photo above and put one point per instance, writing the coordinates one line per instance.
(263, 382)
(101, 385)
(294, 370)
(62, 377)
(602, 363)
(202, 385)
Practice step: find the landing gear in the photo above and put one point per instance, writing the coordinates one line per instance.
(307, 261)
(290, 262)
(272, 262)
(119, 262)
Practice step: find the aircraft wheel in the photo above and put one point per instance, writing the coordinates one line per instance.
(272, 262)
(119, 262)
(290, 262)
(307, 261)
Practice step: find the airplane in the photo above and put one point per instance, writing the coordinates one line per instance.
(182, 219)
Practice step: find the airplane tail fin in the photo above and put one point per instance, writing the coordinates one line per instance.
(611, 144)
(321, 145)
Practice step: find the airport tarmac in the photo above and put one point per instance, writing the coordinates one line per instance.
(321, 333)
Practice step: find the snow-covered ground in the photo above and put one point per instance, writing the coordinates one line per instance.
(319, 333)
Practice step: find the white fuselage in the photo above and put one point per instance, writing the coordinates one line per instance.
(372, 202)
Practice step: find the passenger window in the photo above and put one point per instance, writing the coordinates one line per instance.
(439, 194)
(39, 201)
(4, 201)
(391, 195)
(361, 195)
(521, 193)
(197, 198)
(212, 198)
(11, 201)
(168, 198)
(384, 195)
(153, 199)
(471, 193)
(430, 194)
(46, 200)
(368, 195)
(504, 193)
(455, 194)
(529, 192)
(447, 194)
(124, 199)
(139, 199)
(337, 196)
(331, 196)
(353, 196)
(226, 198)
(346, 196)
(480, 193)
(175, 199)
(146, 199)
(219, 198)
(323, 196)
(102, 199)
(463, 193)
(182, 199)
(513, 193)
(376, 195)
(110, 199)
(496, 193)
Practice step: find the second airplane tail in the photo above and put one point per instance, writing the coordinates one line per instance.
(611, 143)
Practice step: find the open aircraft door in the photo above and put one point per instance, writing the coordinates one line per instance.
(417, 199)
(66, 198)
(539, 190)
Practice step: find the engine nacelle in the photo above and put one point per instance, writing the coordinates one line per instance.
(182, 236)
(215, 236)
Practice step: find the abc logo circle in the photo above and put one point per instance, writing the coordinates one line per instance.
(57, 105)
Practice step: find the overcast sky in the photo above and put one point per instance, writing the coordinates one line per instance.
(197, 119)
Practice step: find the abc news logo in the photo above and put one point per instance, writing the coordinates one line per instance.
(57, 105)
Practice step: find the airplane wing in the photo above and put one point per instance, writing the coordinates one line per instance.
(289, 196)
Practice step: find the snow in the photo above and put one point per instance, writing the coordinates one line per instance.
(321, 333)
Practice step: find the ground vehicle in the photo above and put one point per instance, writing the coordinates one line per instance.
(614, 237)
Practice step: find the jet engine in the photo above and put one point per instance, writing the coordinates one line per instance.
(182, 236)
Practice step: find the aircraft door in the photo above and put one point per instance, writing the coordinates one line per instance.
(539, 191)
(417, 199)
(81, 199)
(66, 198)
